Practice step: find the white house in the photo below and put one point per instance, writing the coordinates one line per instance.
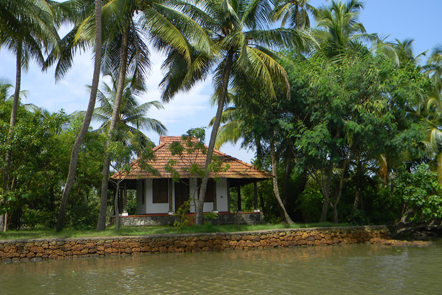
(157, 193)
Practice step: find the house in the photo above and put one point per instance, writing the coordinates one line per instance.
(159, 195)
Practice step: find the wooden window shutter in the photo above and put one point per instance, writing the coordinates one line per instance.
(160, 190)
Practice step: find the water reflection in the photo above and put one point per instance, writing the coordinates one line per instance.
(347, 269)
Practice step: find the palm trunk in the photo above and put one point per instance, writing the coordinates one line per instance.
(4, 217)
(86, 122)
(222, 98)
(275, 182)
(101, 225)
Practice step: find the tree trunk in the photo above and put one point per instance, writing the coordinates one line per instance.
(326, 192)
(117, 211)
(335, 213)
(86, 122)
(288, 171)
(101, 225)
(275, 182)
(341, 184)
(3, 217)
(357, 204)
(200, 206)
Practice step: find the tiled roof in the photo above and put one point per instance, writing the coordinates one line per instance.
(238, 169)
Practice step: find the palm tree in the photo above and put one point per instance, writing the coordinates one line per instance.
(87, 118)
(26, 28)
(130, 120)
(294, 13)
(231, 130)
(434, 66)
(434, 107)
(4, 91)
(338, 29)
(132, 116)
(241, 38)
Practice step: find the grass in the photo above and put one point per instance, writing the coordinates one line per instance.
(150, 230)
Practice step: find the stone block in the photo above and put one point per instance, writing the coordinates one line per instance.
(77, 247)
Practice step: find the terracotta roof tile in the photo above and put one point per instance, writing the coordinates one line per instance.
(238, 169)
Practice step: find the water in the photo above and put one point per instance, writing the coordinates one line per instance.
(348, 269)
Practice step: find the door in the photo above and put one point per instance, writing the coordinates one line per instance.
(181, 193)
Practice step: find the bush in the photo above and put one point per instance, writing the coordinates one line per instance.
(420, 194)
(310, 204)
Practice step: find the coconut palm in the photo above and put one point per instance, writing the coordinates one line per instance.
(434, 107)
(338, 29)
(132, 116)
(434, 66)
(4, 91)
(294, 13)
(87, 118)
(231, 130)
(242, 42)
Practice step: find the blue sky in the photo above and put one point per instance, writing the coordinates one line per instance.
(399, 19)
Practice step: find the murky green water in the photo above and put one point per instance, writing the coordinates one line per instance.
(351, 269)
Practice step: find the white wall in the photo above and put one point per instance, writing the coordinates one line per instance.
(149, 207)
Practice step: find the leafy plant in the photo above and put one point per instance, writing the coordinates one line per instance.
(420, 193)
(209, 216)
(181, 215)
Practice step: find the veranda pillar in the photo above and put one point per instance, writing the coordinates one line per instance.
(125, 200)
(238, 189)
(255, 197)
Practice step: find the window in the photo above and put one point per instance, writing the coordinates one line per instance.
(160, 190)
(210, 191)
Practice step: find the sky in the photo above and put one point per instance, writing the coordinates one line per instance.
(396, 19)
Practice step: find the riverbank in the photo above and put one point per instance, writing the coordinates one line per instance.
(127, 231)
(67, 248)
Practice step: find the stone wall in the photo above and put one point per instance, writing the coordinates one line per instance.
(222, 219)
(39, 249)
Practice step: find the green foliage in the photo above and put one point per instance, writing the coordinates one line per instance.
(181, 219)
(209, 217)
(41, 147)
(420, 193)
(191, 144)
(131, 202)
(358, 217)
(310, 204)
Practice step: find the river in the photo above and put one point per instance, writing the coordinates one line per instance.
(346, 269)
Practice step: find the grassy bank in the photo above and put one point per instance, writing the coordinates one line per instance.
(149, 230)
